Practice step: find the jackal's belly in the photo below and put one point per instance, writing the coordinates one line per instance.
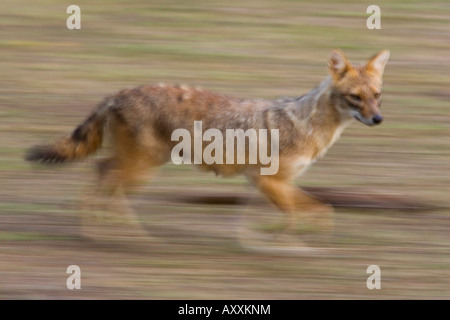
(228, 170)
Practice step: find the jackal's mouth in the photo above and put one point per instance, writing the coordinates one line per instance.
(376, 120)
(357, 117)
(362, 120)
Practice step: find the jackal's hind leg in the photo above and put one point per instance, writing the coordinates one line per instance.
(108, 214)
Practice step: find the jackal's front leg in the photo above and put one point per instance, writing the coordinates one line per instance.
(314, 215)
(298, 206)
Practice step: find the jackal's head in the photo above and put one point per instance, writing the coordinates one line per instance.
(356, 90)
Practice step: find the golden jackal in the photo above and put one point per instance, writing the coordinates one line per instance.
(141, 122)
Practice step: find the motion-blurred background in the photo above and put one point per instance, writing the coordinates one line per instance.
(52, 77)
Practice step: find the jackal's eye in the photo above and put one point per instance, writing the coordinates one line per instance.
(355, 97)
(377, 95)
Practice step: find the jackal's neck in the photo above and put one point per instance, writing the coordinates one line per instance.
(318, 107)
(319, 118)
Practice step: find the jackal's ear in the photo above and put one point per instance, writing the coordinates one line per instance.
(338, 64)
(378, 62)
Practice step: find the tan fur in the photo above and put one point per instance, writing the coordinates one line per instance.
(141, 122)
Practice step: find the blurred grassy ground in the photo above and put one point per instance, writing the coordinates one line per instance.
(52, 77)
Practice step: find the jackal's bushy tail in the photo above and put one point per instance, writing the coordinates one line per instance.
(84, 140)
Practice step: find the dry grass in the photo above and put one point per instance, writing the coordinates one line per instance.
(52, 77)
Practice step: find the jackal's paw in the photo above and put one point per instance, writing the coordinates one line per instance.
(321, 208)
(317, 225)
(116, 227)
(278, 243)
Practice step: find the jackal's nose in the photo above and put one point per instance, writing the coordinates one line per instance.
(377, 119)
